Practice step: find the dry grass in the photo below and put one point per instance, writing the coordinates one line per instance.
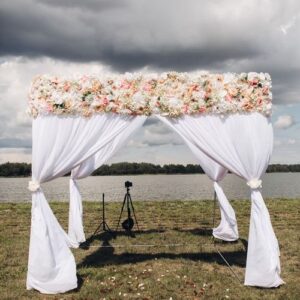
(111, 267)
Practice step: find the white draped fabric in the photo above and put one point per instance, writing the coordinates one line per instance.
(59, 145)
(75, 229)
(243, 144)
(227, 230)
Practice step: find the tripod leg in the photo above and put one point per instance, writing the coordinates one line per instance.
(121, 213)
(137, 224)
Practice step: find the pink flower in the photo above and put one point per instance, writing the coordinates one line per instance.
(67, 86)
(228, 98)
(104, 101)
(49, 108)
(125, 84)
(195, 87)
(185, 108)
(259, 101)
(265, 90)
(147, 87)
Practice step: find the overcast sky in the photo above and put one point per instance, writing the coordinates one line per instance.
(74, 36)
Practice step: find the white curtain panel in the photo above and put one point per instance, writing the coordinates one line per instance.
(75, 229)
(227, 230)
(59, 145)
(242, 143)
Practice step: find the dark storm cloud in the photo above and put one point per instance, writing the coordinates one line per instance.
(129, 34)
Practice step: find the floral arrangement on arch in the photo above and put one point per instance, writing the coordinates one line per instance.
(170, 94)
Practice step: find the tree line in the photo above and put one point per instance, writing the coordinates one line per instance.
(124, 168)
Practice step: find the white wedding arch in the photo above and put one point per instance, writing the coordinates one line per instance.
(79, 123)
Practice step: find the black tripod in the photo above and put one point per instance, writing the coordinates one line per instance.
(103, 225)
(129, 222)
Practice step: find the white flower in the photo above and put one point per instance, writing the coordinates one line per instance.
(228, 77)
(261, 76)
(175, 103)
(57, 98)
(89, 98)
(128, 76)
(243, 75)
(221, 94)
(33, 186)
(252, 75)
(254, 183)
(268, 77)
(138, 99)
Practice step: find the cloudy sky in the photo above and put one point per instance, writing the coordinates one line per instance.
(72, 36)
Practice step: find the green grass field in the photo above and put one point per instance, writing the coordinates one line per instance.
(173, 257)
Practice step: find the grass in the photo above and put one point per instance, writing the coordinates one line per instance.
(113, 268)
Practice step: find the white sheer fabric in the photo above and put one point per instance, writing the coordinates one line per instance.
(227, 230)
(75, 229)
(59, 145)
(243, 144)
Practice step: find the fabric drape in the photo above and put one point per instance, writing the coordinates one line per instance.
(227, 230)
(243, 144)
(59, 145)
(75, 229)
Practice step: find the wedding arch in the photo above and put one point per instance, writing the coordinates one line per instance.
(79, 123)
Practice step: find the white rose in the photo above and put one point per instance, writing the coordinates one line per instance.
(261, 76)
(154, 108)
(128, 76)
(89, 98)
(268, 77)
(138, 99)
(222, 93)
(228, 77)
(200, 94)
(252, 75)
(57, 98)
(175, 102)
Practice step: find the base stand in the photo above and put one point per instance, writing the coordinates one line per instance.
(103, 225)
(128, 201)
(214, 241)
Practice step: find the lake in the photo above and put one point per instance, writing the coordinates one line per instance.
(152, 187)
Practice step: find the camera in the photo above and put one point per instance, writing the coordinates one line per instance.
(128, 184)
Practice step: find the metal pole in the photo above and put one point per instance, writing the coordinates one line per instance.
(214, 241)
(103, 213)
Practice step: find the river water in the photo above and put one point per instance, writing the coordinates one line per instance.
(152, 187)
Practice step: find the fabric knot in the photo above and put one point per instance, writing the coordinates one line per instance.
(254, 183)
(33, 186)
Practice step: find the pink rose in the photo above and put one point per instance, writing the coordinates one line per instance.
(147, 87)
(49, 108)
(265, 90)
(228, 98)
(105, 101)
(185, 108)
(125, 84)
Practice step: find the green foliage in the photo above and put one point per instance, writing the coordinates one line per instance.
(15, 169)
(124, 168)
(283, 168)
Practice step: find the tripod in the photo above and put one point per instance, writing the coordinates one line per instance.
(103, 225)
(129, 222)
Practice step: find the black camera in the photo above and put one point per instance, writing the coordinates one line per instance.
(128, 184)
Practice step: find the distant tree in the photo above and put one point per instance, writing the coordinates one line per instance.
(15, 169)
(125, 168)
